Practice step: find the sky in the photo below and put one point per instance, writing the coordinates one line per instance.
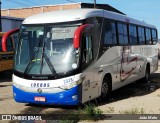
(143, 10)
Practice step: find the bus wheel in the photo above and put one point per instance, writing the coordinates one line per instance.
(147, 73)
(105, 88)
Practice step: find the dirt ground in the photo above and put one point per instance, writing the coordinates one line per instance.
(140, 96)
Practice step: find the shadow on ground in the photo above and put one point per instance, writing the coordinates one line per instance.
(135, 89)
(6, 76)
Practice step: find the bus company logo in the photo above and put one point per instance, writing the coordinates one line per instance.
(39, 90)
(36, 85)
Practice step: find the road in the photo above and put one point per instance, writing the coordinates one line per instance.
(136, 95)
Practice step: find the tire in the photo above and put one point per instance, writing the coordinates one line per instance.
(106, 88)
(147, 73)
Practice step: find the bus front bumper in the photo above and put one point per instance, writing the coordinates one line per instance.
(68, 97)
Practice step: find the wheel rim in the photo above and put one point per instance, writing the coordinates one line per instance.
(104, 89)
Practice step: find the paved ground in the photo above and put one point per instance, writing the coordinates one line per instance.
(137, 96)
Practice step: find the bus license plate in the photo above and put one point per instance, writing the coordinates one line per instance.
(40, 99)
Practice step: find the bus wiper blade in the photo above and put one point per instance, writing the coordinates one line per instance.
(28, 68)
(51, 66)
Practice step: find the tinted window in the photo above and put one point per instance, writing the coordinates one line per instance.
(148, 36)
(141, 37)
(133, 34)
(110, 33)
(122, 34)
(9, 44)
(87, 52)
(154, 36)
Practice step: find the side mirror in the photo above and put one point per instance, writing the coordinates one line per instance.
(78, 34)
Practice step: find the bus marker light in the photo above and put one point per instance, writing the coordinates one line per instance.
(14, 94)
(74, 97)
(40, 99)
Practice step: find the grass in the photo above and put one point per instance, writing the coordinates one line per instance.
(133, 111)
(89, 112)
(92, 112)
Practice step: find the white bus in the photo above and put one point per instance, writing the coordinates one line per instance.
(74, 56)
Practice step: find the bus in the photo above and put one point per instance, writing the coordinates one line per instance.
(70, 57)
(6, 58)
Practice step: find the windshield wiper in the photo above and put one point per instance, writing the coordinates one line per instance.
(51, 66)
(29, 67)
(48, 62)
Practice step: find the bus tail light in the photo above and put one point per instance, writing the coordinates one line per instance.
(5, 37)
(78, 34)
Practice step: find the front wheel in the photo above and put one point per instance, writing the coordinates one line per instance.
(146, 77)
(106, 88)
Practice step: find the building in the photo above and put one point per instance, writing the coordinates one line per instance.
(26, 12)
(9, 23)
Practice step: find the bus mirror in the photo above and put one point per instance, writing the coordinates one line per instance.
(5, 37)
(78, 34)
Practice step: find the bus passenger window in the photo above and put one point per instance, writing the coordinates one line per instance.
(87, 49)
(141, 37)
(9, 44)
(122, 33)
(133, 34)
(148, 36)
(154, 36)
(110, 34)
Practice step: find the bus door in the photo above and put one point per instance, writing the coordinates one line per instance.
(128, 65)
(89, 86)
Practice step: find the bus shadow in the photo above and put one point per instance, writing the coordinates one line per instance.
(135, 89)
(6, 76)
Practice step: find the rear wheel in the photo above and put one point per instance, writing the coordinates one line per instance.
(105, 88)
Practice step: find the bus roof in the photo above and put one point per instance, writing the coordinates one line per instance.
(79, 14)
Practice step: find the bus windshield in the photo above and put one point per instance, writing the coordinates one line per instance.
(46, 49)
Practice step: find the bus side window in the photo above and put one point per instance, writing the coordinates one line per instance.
(141, 37)
(9, 44)
(87, 49)
(148, 35)
(110, 34)
(132, 34)
(122, 34)
(154, 36)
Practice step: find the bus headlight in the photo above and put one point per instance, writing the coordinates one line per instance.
(71, 85)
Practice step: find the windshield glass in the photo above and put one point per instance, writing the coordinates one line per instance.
(46, 49)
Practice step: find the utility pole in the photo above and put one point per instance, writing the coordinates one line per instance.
(0, 17)
(94, 3)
